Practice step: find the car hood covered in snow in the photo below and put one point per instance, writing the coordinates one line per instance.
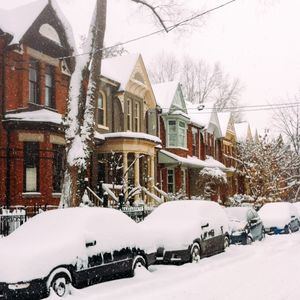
(59, 238)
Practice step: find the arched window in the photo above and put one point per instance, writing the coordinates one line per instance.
(101, 110)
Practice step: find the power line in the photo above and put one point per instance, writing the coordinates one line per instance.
(169, 28)
(283, 104)
(245, 109)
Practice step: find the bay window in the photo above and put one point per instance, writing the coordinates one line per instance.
(176, 133)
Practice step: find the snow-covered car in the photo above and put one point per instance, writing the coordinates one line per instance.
(297, 206)
(279, 217)
(187, 230)
(73, 246)
(245, 225)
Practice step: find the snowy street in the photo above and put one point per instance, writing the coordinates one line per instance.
(264, 270)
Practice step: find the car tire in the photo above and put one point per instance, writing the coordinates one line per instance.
(138, 262)
(249, 240)
(61, 284)
(195, 253)
(226, 242)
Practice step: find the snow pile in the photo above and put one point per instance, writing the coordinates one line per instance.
(174, 225)
(277, 214)
(215, 173)
(41, 115)
(58, 237)
(133, 135)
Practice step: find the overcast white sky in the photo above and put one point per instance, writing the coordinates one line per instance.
(255, 40)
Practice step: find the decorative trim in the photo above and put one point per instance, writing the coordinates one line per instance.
(31, 137)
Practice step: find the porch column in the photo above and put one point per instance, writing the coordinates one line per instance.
(152, 173)
(136, 173)
(125, 176)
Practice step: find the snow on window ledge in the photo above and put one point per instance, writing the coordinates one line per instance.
(31, 194)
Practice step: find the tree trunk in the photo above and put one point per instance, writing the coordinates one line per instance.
(81, 111)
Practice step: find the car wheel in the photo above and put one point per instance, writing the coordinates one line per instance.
(139, 262)
(226, 242)
(61, 284)
(195, 253)
(287, 229)
(249, 240)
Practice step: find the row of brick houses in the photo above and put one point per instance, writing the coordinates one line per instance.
(160, 141)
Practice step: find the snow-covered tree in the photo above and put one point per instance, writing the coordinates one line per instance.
(267, 166)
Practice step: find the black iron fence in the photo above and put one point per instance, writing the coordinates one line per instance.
(137, 213)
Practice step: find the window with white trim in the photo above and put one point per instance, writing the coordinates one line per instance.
(49, 86)
(31, 166)
(136, 117)
(129, 110)
(176, 133)
(170, 180)
(101, 110)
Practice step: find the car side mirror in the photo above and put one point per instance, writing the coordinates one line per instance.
(90, 243)
(205, 225)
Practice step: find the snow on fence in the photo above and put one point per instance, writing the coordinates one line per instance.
(11, 220)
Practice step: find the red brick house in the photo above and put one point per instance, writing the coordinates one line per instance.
(189, 140)
(33, 92)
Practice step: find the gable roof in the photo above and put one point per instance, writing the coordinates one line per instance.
(17, 21)
(119, 68)
(243, 132)
(199, 117)
(224, 119)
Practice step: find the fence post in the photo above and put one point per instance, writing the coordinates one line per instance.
(121, 200)
(105, 199)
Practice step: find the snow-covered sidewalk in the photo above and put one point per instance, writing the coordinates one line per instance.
(264, 270)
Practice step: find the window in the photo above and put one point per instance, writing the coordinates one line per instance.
(33, 81)
(129, 108)
(58, 167)
(170, 181)
(31, 167)
(176, 134)
(49, 87)
(183, 181)
(101, 110)
(136, 117)
(194, 145)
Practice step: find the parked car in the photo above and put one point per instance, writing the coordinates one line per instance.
(73, 246)
(245, 225)
(187, 230)
(279, 217)
(297, 206)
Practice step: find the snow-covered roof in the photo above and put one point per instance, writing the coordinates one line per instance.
(132, 135)
(41, 115)
(119, 68)
(198, 117)
(190, 161)
(224, 118)
(18, 20)
(241, 131)
(164, 94)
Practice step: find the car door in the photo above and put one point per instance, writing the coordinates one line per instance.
(205, 238)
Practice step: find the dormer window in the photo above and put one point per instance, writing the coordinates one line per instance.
(50, 33)
(33, 81)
